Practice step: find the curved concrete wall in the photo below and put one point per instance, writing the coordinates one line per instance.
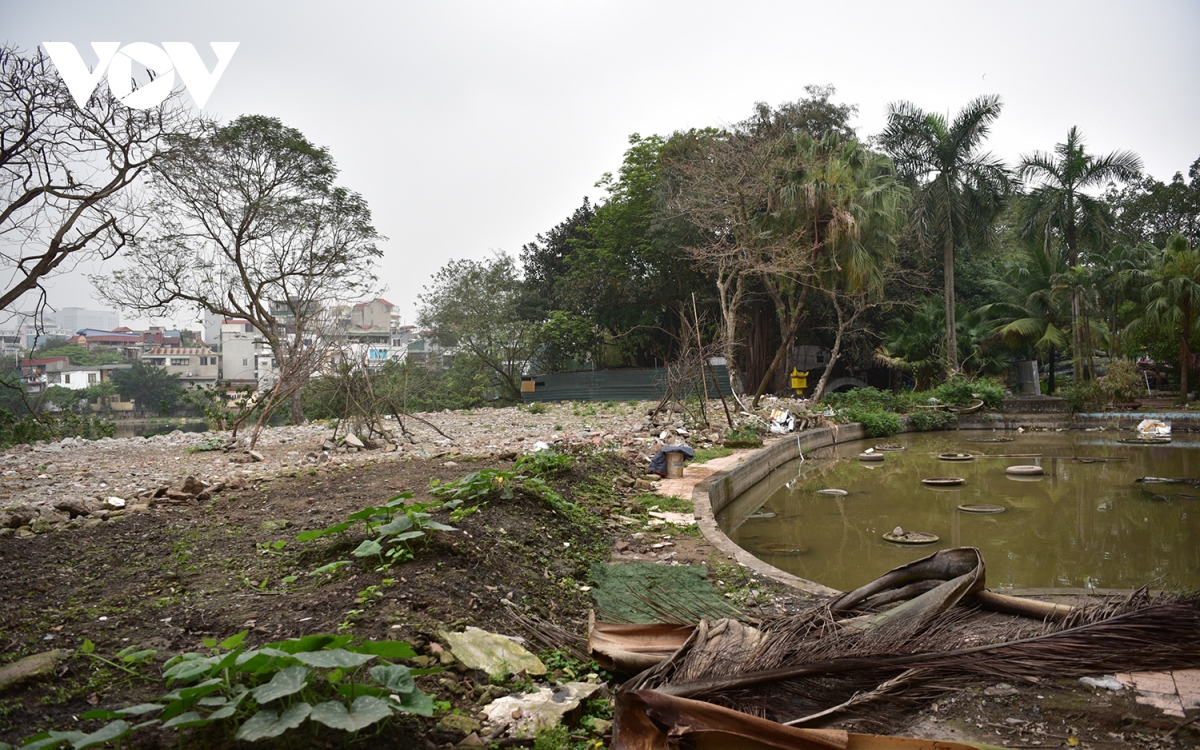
(715, 493)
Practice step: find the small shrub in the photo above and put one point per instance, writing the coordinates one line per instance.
(1123, 382)
(959, 391)
(876, 423)
(1084, 395)
(537, 407)
(925, 420)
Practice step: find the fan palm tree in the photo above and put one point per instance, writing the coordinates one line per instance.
(961, 188)
(1060, 204)
(844, 207)
(1172, 299)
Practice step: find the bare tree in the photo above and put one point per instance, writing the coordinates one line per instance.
(250, 226)
(69, 175)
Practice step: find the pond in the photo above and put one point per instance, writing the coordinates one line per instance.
(1085, 524)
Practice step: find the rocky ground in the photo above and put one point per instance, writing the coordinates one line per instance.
(204, 546)
(46, 485)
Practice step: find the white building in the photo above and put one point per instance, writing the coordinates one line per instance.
(77, 318)
(239, 352)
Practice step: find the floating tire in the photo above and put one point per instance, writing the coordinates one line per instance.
(981, 508)
(833, 491)
(889, 447)
(943, 481)
(991, 440)
(911, 537)
(956, 457)
(1146, 440)
(870, 457)
(1025, 471)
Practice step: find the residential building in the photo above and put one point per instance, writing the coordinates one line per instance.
(239, 351)
(378, 313)
(195, 366)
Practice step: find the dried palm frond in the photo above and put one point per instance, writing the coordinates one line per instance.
(808, 665)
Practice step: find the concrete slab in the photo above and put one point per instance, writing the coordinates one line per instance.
(693, 474)
(1187, 685)
(1156, 689)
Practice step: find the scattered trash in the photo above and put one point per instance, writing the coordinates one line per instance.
(1154, 428)
(782, 421)
(540, 446)
(1108, 682)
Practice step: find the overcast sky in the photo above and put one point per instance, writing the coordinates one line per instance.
(472, 127)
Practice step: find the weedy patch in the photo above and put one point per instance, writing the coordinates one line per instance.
(253, 694)
(393, 525)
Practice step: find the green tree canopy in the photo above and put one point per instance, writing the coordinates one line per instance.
(153, 388)
(480, 309)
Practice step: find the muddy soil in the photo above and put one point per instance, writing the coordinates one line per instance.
(166, 578)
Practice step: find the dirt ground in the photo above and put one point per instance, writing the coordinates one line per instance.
(166, 578)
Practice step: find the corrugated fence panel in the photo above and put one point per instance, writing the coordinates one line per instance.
(641, 384)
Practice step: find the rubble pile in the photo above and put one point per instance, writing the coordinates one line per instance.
(81, 483)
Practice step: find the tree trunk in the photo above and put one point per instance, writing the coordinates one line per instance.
(1050, 384)
(834, 353)
(780, 354)
(951, 331)
(1076, 338)
(297, 408)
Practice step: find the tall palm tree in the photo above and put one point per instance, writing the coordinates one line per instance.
(961, 187)
(1172, 300)
(1060, 204)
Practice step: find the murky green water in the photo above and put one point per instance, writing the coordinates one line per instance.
(1083, 524)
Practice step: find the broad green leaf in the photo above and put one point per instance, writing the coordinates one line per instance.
(365, 711)
(87, 647)
(407, 535)
(284, 683)
(399, 499)
(398, 524)
(368, 513)
(329, 568)
(51, 739)
(141, 709)
(234, 641)
(189, 670)
(386, 649)
(266, 724)
(189, 719)
(439, 526)
(209, 642)
(129, 656)
(107, 733)
(314, 642)
(367, 548)
(394, 677)
(338, 657)
(418, 703)
(231, 705)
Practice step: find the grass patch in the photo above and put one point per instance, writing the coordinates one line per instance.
(708, 454)
(648, 500)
